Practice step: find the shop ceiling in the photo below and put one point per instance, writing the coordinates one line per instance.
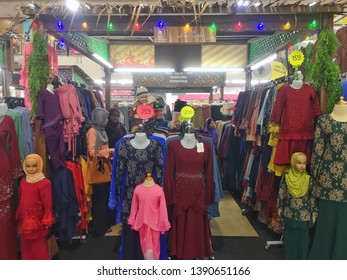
(125, 14)
(135, 21)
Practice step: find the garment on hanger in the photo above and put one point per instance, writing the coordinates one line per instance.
(10, 168)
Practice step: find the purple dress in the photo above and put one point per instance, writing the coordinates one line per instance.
(49, 112)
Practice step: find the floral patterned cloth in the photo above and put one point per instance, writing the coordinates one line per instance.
(298, 209)
(329, 160)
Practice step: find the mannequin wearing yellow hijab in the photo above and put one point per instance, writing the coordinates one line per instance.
(33, 166)
(297, 207)
(297, 178)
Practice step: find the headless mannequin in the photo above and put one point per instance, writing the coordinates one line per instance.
(297, 84)
(3, 110)
(140, 141)
(339, 112)
(149, 182)
(189, 141)
(50, 88)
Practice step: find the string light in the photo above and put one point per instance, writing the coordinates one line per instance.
(110, 26)
(137, 26)
(313, 24)
(287, 25)
(161, 24)
(61, 43)
(213, 27)
(239, 25)
(307, 38)
(187, 26)
(260, 26)
(85, 25)
(60, 25)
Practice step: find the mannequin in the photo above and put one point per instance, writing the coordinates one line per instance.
(297, 206)
(35, 212)
(3, 110)
(297, 84)
(50, 88)
(189, 141)
(149, 182)
(140, 141)
(329, 169)
(148, 216)
(339, 112)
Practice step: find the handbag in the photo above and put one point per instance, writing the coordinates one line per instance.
(98, 172)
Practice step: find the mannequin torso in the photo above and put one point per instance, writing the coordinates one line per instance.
(140, 141)
(50, 88)
(149, 182)
(339, 113)
(189, 141)
(296, 84)
(3, 110)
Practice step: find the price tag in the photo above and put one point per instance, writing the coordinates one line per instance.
(296, 58)
(145, 111)
(187, 112)
(200, 147)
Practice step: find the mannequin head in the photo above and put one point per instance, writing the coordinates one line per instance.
(33, 166)
(299, 161)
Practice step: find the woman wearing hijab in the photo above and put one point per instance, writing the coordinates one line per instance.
(211, 129)
(297, 206)
(97, 144)
(115, 129)
(35, 213)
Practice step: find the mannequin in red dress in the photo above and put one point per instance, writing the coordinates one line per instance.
(35, 214)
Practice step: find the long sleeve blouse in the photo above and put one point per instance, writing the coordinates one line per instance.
(295, 110)
(148, 207)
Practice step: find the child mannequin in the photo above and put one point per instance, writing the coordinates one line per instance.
(35, 214)
(148, 216)
(298, 207)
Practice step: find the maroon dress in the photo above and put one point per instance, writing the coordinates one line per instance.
(294, 110)
(10, 168)
(189, 188)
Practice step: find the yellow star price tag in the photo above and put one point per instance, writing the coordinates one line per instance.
(187, 112)
(296, 58)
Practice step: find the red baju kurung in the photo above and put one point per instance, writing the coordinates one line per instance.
(294, 110)
(34, 217)
(189, 188)
(10, 168)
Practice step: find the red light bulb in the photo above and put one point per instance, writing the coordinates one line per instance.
(239, 25)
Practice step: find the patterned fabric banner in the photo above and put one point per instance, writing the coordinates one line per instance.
(132, 55)
(224, 56)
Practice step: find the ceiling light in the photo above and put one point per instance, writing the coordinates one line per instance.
(312, 4)
(103, 61)
(220, 69)
(73, 5)
(264, 61)
(257, 4)
(238, 81)
(144, 70)
(239, 3)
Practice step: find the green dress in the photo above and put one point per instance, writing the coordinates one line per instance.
(329, 171)
(297, 219)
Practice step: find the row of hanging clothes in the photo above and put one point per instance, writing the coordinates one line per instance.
(255, 146)
(22, 121)
(190, 181)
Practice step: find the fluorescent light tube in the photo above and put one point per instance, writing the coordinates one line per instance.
(220, 69)
(103, 61)
(144, 70)
(264, 61)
